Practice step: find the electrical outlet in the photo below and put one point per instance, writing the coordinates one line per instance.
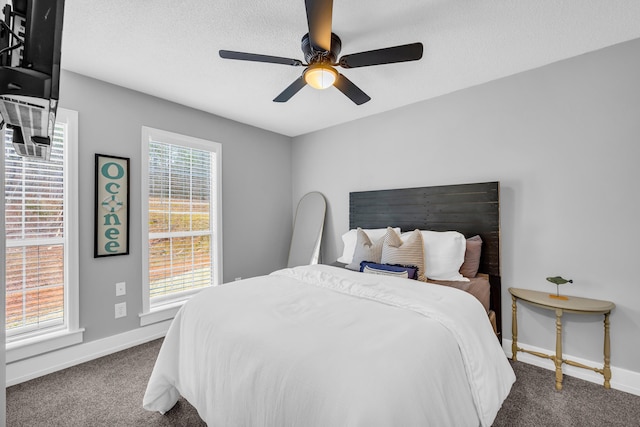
(238, 278)
(121, 289)
(121, 310)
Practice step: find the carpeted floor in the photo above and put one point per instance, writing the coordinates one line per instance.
(108, 392)
(104, 392)
(534, 402)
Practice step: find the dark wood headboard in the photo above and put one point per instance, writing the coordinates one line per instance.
(468, 208)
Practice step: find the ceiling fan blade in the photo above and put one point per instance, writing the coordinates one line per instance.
(243, 56)
(319, 16)
(389, 55)
(352, 91)
(293, 88)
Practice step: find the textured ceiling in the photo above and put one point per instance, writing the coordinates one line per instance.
(169, 49)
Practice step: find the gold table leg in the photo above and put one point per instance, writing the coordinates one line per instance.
(558, 358)
(607, 353)
(514, 330)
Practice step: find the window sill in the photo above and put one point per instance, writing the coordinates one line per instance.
(162, 313)
(29, 347)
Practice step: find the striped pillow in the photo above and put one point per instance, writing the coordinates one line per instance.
(410, 272)
(404, 274)
(407, 251)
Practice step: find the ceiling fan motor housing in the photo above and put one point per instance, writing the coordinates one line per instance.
(313, 56)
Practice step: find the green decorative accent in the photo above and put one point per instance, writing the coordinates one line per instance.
(558, 280)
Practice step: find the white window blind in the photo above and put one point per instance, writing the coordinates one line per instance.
(181, 220)
(35, 238)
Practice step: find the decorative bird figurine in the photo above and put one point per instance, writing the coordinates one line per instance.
(558, 280)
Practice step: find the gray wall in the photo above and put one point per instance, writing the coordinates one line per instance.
(563, 140)
(256, 192)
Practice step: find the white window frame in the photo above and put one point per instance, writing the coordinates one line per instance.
(69, 333)
(169, 307)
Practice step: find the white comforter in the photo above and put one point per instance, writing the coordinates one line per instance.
(323, 346)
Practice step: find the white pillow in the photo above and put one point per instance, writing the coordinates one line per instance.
(349, 239)
(444, 254)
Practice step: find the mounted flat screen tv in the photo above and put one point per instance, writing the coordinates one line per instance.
(30, 42)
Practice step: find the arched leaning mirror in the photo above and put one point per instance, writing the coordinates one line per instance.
(307, 230)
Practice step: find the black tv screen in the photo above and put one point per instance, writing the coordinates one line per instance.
(30, 51)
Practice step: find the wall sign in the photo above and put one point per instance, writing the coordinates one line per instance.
(111, 206)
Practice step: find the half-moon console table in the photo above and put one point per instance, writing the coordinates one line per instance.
(570, 305)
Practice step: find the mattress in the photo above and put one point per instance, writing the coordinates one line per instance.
(323, 346)
(477, 286)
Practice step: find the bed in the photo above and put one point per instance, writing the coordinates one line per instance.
(322, 345)
(471, 209)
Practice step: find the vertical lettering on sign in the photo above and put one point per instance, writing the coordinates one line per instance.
(112, 197)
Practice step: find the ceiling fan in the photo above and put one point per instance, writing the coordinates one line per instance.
(321, 48)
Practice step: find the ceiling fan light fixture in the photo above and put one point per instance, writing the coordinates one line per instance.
(320, 76)
(321, 48)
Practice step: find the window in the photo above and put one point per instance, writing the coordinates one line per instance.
(181, 220)
(41, 241)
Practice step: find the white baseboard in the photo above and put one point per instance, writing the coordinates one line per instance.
(621, 379)
(37, 366)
